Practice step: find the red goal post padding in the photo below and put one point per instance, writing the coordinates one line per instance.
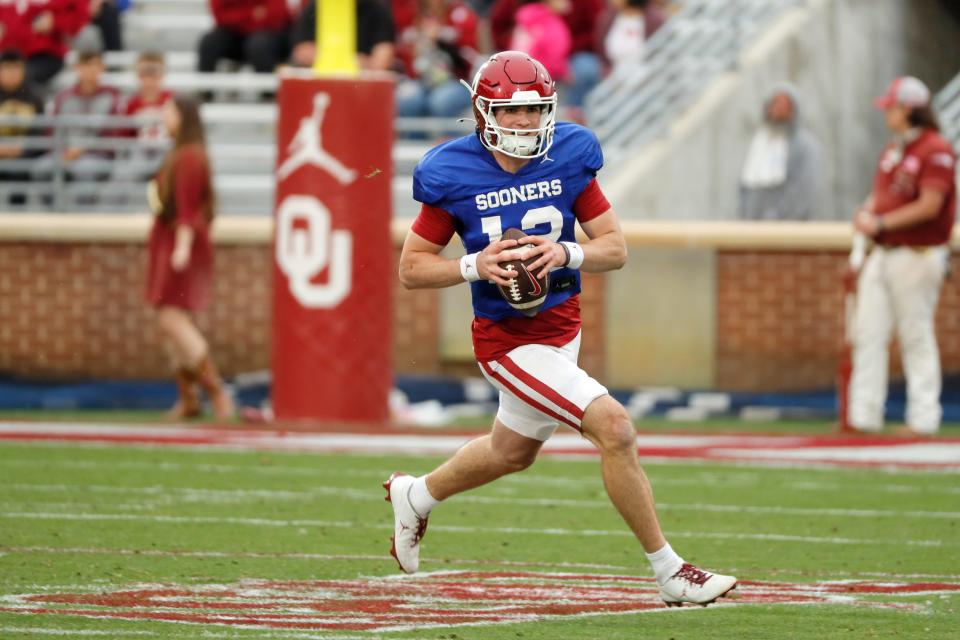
(333, 254)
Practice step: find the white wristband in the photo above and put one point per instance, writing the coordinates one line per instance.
(576, 254)
(468, 267)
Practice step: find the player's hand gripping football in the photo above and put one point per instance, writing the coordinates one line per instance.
(551, 254)
(489, 260)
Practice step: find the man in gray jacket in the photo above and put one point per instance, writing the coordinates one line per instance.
(76, 153)
(782, 177)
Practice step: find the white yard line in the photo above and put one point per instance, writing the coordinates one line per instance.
(173, 467)
(232, 496)
(552, 531)
(761, 450)
(311, 557)
(503, 485)
(163, 553)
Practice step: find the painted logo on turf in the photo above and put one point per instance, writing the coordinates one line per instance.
(446, 599)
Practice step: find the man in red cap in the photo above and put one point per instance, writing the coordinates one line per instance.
(909, 215)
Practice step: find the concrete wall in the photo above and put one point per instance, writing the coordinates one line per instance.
(840, 54)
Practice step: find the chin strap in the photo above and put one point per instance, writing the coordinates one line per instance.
(472, 98)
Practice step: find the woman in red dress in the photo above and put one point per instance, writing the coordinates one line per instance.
(181, 258)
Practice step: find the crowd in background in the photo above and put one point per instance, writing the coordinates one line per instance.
(431, 45)
(425, 41)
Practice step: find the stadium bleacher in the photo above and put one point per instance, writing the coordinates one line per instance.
(240, 125)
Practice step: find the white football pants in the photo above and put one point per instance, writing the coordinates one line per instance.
(898, 288)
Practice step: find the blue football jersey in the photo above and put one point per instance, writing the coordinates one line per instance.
(463, 178)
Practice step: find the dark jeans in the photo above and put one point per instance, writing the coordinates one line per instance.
(42, 67)
(14, 197)
(263, 50)
(108, 22)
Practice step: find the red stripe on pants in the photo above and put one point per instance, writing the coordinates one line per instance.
(542, 388)
(530, 401)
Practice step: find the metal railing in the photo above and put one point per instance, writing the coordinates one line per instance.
(704, 38)
(241, 143)
(101, 179)
(947, 105)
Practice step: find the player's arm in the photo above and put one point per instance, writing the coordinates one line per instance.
(422, 266)
(605, 250)
(868, 203)
(924, 208)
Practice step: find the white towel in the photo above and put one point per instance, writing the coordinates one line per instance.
(766, 163)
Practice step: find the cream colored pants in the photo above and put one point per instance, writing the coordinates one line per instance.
(898, 289)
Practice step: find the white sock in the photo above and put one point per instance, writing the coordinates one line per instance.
(420, 498)
(665, 562)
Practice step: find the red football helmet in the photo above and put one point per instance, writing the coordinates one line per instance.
(514, 78)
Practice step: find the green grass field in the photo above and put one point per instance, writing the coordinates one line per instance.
(97, 520)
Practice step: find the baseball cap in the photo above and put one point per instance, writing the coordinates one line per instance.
(905, 90)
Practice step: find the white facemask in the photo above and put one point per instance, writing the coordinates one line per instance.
(519, 145)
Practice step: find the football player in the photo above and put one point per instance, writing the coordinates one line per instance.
(521, 169)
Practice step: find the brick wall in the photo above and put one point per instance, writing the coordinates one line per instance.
(71, 311)
(779, 320)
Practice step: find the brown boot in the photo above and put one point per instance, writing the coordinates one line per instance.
(188, 397)
(209, 378)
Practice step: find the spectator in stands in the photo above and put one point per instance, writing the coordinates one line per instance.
(540, 31)
(585, 65)
(375, 36)
(180, 262)
(438, 47)
(42, 31)
(782, 177)
(255, 32)
(623, 31)
(88, 97)
(138, 163)
(19, 99)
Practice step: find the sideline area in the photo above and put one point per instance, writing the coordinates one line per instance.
(794, 450)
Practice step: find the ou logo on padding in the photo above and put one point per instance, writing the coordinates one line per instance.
(305, 251)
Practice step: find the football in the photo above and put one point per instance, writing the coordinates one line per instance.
(526, 293)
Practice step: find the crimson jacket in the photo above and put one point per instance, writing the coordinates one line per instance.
(249, 16)
(19, 17)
